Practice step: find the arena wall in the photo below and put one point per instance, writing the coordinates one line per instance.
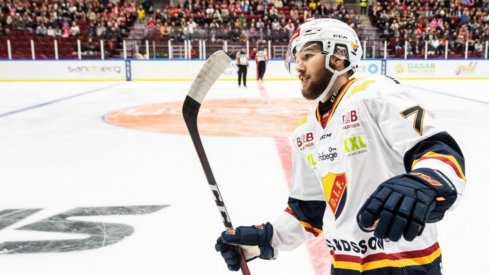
(186, 70)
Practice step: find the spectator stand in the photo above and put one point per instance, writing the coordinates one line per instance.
(187, 30)
(195, 30)
(432, 29)
(51, 29)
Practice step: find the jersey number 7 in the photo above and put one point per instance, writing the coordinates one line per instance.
(418, 117)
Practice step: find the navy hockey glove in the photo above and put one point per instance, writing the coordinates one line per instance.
(402, 205)
(257, 235)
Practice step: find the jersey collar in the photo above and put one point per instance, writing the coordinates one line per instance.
(325, 111)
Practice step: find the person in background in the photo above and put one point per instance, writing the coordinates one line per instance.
(363, 6)
(242, 62)
(261, 62)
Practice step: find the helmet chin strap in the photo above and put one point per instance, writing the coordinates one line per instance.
(335, 75)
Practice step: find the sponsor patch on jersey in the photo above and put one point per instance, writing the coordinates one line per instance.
(325, 136)
(355, 145)
(350, 120)
(335, 192)
(362, 246)
(330, 155)
(310, 160)
(305, 140)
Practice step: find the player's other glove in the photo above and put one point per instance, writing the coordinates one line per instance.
(402, 205)
(257, 235)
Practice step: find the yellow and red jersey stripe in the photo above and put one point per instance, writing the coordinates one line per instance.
(307, 226)
(448, 159)
(386, 260)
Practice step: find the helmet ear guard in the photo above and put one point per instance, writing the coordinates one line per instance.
(340, 51)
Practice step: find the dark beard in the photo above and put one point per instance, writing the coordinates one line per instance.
(318, 87)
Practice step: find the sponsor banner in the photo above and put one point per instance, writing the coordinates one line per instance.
(181, 70)
(434, 69)
(369, 67)
(187, 70)
(61, 70)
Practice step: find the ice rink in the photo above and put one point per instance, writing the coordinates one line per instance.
(101, 178)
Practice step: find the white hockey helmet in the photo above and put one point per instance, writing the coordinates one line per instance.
(335, 37)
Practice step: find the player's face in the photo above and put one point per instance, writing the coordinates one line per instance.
(313, 75)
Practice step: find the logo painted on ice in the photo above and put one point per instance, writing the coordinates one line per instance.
(335, 192)
(354, 145)
(97, 234)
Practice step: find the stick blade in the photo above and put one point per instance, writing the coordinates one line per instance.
(216, 64)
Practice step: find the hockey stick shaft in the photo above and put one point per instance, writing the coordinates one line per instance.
(212, 69)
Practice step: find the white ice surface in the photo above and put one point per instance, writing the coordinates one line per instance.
(57, 153)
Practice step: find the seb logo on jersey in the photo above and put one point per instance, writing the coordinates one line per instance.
(350, 120)
(305, 140)
(335, 192)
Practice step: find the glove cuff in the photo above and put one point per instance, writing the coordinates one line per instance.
(257, 235)
(265, 236)
(446, 193)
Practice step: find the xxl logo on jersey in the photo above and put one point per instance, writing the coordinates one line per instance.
(354, 145)
(335, 192)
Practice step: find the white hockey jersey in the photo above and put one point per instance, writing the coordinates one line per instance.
(261, 55)
(242, 59)
(372, 132)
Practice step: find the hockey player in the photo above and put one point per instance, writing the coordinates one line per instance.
(371, 169)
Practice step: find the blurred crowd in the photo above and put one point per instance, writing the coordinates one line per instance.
(243, 20)
(439, 23)
(90, 21)
(406, 24)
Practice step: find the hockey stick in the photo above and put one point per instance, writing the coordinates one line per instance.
(212, 69)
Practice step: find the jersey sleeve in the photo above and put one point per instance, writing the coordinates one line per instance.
(411, 131)
(440, 152)
(303, 216)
